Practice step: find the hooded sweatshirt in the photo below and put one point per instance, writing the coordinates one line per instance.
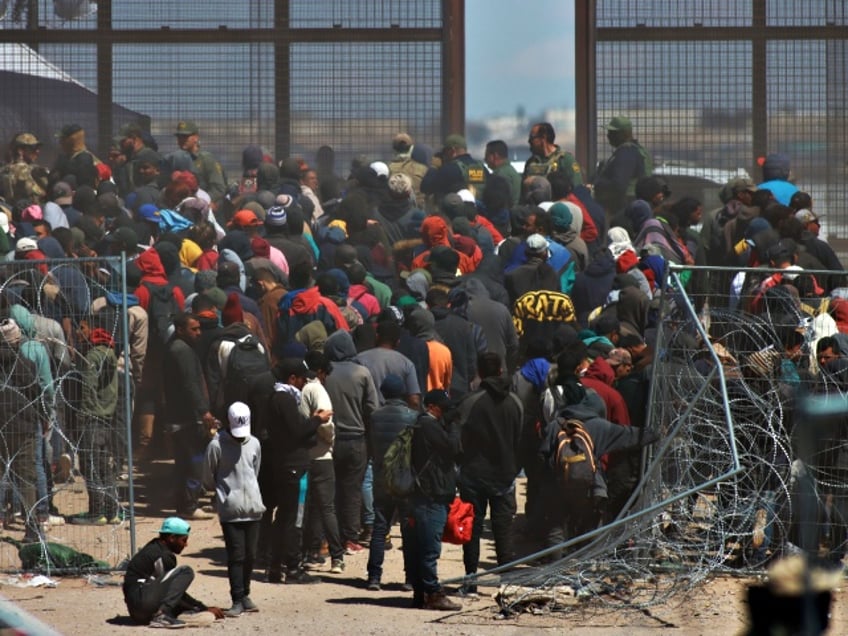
(231, 469)
(34, 351)
(492, 419)
(350, 387)
(422, 323)
(153, 273)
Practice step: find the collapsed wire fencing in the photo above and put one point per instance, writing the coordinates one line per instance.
(739, 451)
(65, 408)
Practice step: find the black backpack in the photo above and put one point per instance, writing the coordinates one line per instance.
(247, 361)
(574, 457)
(161, 311)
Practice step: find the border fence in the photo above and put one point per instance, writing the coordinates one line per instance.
(65, 407)
(288, 75)
(712, 86)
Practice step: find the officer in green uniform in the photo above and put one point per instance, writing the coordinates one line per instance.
(22, 178)
(615, 182)
(458, 170)
(548, 157)
(210, 175)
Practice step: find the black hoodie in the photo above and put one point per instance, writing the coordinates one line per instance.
(491, 419)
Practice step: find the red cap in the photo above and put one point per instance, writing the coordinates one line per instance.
(244, 218)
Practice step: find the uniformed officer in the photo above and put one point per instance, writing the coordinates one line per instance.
(548, 157)
(615, 183)
(75, 158)
(458, 170)
(210, 175)
(22, 177)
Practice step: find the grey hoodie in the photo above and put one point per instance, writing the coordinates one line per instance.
(350, 387)
(231, 469)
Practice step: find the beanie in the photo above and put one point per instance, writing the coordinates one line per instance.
(232, 312)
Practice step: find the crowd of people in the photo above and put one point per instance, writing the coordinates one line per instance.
(285, 326)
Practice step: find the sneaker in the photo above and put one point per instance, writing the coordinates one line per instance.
(351, 547)
(301, 577)
(236, 610)
(165, 621)
(439, 601)
(337, 566)
(468, 591)
(198, 514)
(407, 586)
(274, 574)
(373, 585)
(313, 561)
(249, 605)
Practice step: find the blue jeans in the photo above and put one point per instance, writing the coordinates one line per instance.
(384, 508)
(368, 496)
(422, 554)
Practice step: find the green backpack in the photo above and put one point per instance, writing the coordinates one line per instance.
(398, 473)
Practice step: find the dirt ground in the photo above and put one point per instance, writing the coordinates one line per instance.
(340, 604)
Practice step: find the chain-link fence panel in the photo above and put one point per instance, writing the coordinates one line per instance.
(65, 399)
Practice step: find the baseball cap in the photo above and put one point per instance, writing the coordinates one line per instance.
(149, 212)
(126, 237)
(392, 386)
(738, 184)
(452, 205)
(68, 130)
(402, 138)
(239, 417)
(806, 216)
(130, 130)
(537, 243)
(380, 168)
(26, 244)
(175, 525)
(437, 397)
(290, 367)
(62, 193)
(455, 141)
(466, 196)
(186, 127)
(245, 218)
(618, 123)
(27, 139)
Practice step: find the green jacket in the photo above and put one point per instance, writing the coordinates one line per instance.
(558, 161)
(512, 177)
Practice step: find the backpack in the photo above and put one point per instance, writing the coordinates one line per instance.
(574, 457)
(460, 522)
(246, 361)
(161, 311)
(398, 473)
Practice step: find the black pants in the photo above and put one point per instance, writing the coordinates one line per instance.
(321, 508)
(145, 600)
(240, 538)
(98, 464)
(288, 521)
(350, 459)
(189, 451)
(502, 507)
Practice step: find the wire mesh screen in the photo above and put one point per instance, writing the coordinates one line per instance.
(708, 99)
(287, 75)
(747, 463)
(64, 492)
(379, 98)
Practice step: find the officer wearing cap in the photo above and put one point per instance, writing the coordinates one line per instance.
(458, 170)
(22, 177)
(403, 163)
(75, 158)
(155, 588)
(124, 161)
(210, 174)
(616, 177)
(547, 157)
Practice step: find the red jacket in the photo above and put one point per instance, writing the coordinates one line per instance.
(153, 272)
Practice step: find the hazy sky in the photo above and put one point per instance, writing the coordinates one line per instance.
(518, 53)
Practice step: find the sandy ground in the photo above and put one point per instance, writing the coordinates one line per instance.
(340, 604)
